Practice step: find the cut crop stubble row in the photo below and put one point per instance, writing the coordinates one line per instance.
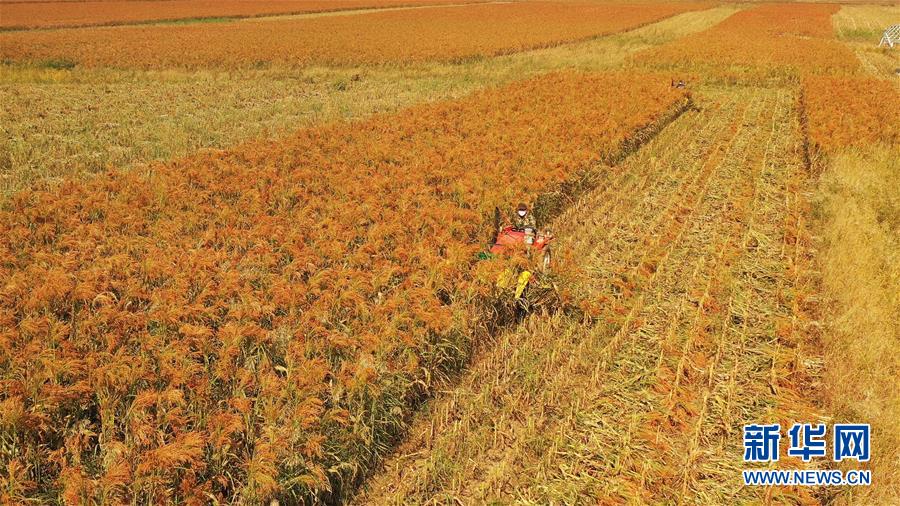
(440, 33)
(688, 322)
(255, 323)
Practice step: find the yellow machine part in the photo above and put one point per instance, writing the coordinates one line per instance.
(524, 278)
(504, 280)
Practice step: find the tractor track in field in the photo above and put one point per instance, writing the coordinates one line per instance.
(685, 244)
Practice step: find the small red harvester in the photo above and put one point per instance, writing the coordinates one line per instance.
(528, 281)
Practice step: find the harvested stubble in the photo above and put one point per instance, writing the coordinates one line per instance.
(255, 323)
(690, 249)
(768, 41)
(860, 262)
(113, 12)
(853, 128)
(865, 23)
(440, 33)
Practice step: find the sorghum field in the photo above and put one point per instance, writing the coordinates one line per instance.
(55, 14)
(242, 257)
(440, 33)
(772, 40)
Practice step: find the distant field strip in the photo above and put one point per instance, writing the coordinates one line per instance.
(445, 34)
(853, 130)
(861, 29)
(91, 13)
(67, 122)
(288, 300)
(696, 252)
(773, 40)
(865, 23)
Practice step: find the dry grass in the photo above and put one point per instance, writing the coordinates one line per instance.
(60, 122)
(859, 223)
(860, 261)
(696, 252)
(864, 23)
(861, 27)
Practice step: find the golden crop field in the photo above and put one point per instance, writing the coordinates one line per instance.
(771, 40)
(685, 346)
(440, 33)
(381, 308)
(259, 261)
(54, 14)
(857, 112)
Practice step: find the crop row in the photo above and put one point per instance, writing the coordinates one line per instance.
(669, 260)
(771, 40)
(255, 323)
(442, 33)
(59, 14)
(730, 348)
(697, 356)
